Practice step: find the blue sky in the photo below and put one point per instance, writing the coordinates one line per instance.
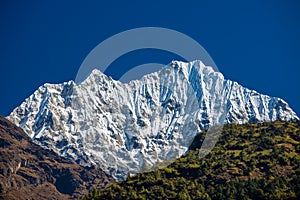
(255, 43)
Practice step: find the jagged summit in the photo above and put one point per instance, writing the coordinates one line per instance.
(130, 127)
(184, 67)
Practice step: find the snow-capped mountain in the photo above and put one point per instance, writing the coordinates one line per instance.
(130, 127)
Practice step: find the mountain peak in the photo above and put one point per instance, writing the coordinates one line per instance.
(96, 73)
(96, 77)
(196, 66)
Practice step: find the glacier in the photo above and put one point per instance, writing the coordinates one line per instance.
(131, 127)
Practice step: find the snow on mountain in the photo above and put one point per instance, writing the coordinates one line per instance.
(130, 127)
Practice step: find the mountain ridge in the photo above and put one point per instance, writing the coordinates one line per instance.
(127, 127)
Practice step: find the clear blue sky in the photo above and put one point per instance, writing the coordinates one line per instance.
(255, 43)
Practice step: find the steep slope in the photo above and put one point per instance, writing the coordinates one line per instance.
(28, 171)
(130, 127)
(250, 161)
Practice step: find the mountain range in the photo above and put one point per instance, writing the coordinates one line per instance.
(131, 127)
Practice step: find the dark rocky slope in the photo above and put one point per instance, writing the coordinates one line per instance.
(28, 171)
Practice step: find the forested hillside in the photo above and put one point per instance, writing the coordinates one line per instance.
(251, 161)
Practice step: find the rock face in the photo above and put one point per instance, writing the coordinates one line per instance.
(130, 127)
(28, 171)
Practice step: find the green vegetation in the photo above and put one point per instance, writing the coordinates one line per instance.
(251, 161)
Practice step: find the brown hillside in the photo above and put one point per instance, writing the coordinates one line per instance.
(28, 171)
